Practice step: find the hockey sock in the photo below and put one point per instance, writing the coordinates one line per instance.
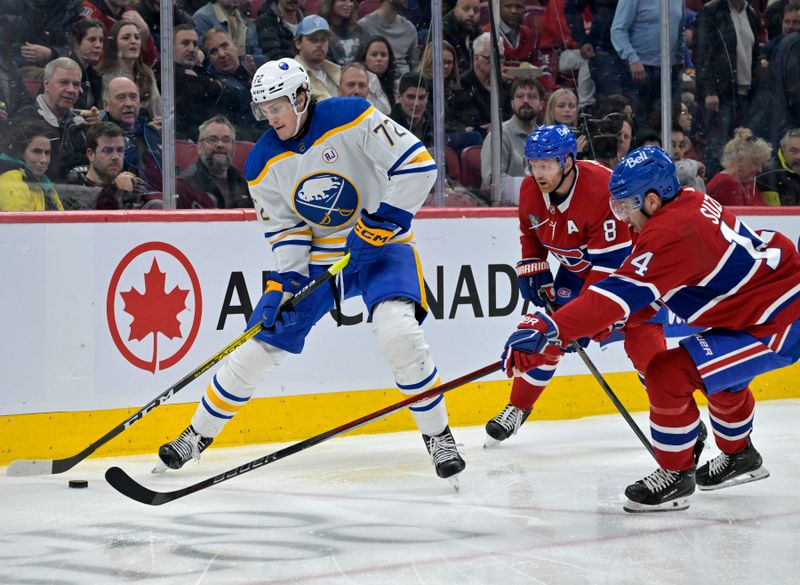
(233, 385)
(402, 343)
(527, 388)
(731, 416)
(671, 379)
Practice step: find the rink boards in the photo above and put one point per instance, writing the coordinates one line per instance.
(103, 312)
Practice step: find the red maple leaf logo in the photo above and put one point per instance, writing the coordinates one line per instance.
(156, 311)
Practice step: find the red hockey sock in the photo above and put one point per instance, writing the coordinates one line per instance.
(524, 394)
(731, 418)
(671, 379)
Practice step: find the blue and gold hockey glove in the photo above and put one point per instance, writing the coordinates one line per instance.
(281, 286)
(533, 275)
(367, 239)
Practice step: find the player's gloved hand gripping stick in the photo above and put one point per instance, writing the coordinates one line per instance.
(52, 466)
(529, 346)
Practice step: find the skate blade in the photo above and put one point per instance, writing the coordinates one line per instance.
(671, 506)
(453, 479)
(160, 467)
(755, 475)
(490, 442)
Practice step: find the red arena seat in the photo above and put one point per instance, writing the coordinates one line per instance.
(471, 167)
(186, 153)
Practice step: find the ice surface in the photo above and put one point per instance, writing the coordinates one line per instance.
(542, 508)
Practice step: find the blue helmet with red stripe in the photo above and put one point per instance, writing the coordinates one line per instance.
(551, 141)
(642, 170)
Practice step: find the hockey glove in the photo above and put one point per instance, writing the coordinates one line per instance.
(367, 239)
(526, 347)
(534, 275)
(271, 310)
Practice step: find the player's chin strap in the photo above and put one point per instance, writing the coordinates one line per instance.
(555, 193)
(298, 130)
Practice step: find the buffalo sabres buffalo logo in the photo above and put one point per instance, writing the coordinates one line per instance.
(326, 199)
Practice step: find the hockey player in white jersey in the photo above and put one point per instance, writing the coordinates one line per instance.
(330, 178)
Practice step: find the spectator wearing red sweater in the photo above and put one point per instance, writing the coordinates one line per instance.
(110, 11)
(519, 40)
(742, 161)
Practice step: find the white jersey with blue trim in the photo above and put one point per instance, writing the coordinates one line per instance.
(309, 192)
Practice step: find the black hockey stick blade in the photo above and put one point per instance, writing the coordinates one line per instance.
(127, 486)
(604, 385)
(24, 467)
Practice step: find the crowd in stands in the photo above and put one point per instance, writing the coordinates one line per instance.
(80, 99)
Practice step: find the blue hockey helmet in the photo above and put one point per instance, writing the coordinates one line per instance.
(645, 169)
(551, 141)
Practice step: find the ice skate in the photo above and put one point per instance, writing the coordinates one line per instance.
(445, 455)
(700, 444)
(728, 470)
(505, 424)
(187, 446)
(661, 491)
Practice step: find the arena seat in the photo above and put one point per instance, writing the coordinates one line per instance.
(471, 167)
(186, 152)
(243, 149)
(367, 6)
(452, 164)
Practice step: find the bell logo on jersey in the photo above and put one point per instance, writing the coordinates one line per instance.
(326, 199)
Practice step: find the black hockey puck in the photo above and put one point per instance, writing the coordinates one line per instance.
(78, 483)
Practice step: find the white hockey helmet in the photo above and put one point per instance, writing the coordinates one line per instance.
(275, 79)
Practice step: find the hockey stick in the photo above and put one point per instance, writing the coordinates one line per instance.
(129, 487)
(22, 467)
(603, 384)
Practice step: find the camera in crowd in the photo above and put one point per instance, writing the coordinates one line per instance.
(601, 135)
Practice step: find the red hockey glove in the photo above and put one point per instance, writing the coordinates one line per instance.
(531, 338)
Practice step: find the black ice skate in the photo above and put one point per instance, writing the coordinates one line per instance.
(661, 491)
(702, 435)
(187, 446)
(728, 470)
(505, 424)
(445, 455)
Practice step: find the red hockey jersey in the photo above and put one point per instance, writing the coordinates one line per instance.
(705, 265)
(581, 232)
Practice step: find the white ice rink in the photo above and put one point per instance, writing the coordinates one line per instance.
(543, 508)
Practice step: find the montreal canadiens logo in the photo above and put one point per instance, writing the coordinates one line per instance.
(153, 306)
(326, 199)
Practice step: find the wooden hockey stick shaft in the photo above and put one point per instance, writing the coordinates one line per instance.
(24, 467)
(603, 384)
(129, 487)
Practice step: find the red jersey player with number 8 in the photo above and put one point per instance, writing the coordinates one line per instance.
(563, 211)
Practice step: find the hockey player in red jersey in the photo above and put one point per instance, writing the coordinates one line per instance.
(708, 267)
(563, 211)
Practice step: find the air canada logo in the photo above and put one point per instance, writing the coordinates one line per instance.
(326, 199)
(154, 306)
